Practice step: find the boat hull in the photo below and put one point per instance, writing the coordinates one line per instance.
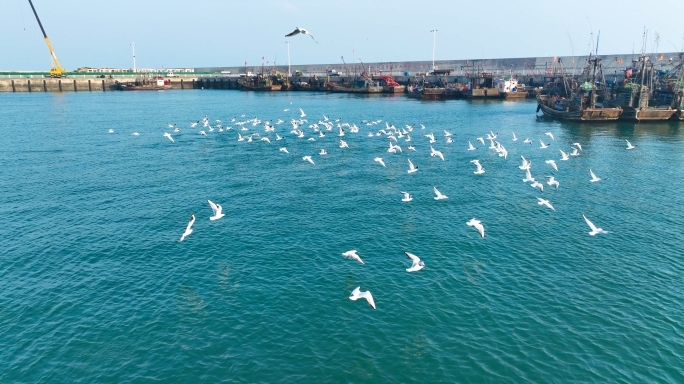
(264, 88)
(144, 88)
(647, 114)
(481, 93)
(513, 95)
(678, 115)
(368, 89)
(586, 115)
(394, 89)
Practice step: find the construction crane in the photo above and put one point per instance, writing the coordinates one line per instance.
(56, 70)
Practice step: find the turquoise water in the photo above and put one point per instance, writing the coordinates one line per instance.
(96, 287)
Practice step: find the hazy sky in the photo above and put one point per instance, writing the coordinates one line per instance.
(227, 33)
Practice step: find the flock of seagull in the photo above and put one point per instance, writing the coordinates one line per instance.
(327, 126)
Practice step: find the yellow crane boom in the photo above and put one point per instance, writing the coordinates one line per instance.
(56, 70)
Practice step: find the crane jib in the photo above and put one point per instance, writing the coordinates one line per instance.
(37, 18)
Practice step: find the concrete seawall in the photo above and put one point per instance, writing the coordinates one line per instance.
(38, 84)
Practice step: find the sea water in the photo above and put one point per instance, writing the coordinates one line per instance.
(96, 287)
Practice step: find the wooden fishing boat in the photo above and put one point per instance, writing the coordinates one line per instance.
(585, 103)
(260, 84)
(359, 86)
(635, 98)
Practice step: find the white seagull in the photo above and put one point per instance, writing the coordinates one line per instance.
(283, 149)
(553, 164)
(412, 168)
(514, 137)
(537, 184)
(549, 134)
(629, 145)
(343, 144)
(353, 255)
(110, 131)
(379, 161)
(552, 181)
(407, 197)
(417, 265)
(481, 140)
(528, 176)
(436, 153)
(593, 177)
(594, 230)
(298, 30)
(188, 229)
(136, 134)
(357, 294)
(477, 224)
(545, 202)
(216, 208)
(480, 170)
(439, 194)
(543, 146)
(168, 135)
(578, 145)
(564, 155)
(470, 146)
(308, 158)
(302, 112)
(323, 152)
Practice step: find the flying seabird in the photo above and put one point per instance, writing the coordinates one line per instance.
(216, 208)
(545, 202)
(594, 230)
(308, 158)
(412, 168)
(407, 197)
(353, 255)
(629, 145)
(553, 164)
(188, 229)
(593, 177)
(379, 161)
(298, 30)
(417, 265)
(357, 294)
(168, 135)
(439, 196)
(477, 224)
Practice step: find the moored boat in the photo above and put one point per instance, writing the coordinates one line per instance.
(510, 89)
(634, 95)
(260, 83)
(358, 86)
(585, 103)
(146, 84)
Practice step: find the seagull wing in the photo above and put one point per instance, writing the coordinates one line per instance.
(214, 208)
(415, 259)
(367, 295)
(593, 176)
(590, 224)
(192, 221)
(480, 228)
(295, 32)
(411, 166)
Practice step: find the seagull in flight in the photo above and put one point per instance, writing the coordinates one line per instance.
(308, 158)
(188, 229)
(283, 149)
(343, 144)
(407, 197)
(578, 145)
(594, 230)
(527, 141)
(470, 146)
(553, 181)
(481, 140)
(168, 135)
(477, 224)
(564, 155)
(545, 202)
(353, 255)
(439, 194)
(357, 294)
(379, 161)
(537, 184)
(412, 168)
(525, 163)
(528, 176)
(629, 145)
(553, 164)
(514, 137)
(302, 113)
(549, 134)
(416, 265)
(593, 177)
(216, 208)
(543, 146)
(298, 30)
(480, 170)
(436, 153)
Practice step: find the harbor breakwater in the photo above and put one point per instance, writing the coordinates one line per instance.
(68, 84)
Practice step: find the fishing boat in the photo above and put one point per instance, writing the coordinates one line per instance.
(145, 83)
(678, 90)
(481, 87)
(581, 102)
(509, 88)
(260, 83)
(361, 85)
(390, 85)
(635, 98)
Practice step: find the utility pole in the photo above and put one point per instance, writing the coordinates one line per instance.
(434, 41)
(289, 73)
(133, 45)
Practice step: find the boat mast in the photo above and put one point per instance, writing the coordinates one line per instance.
(434, 42)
